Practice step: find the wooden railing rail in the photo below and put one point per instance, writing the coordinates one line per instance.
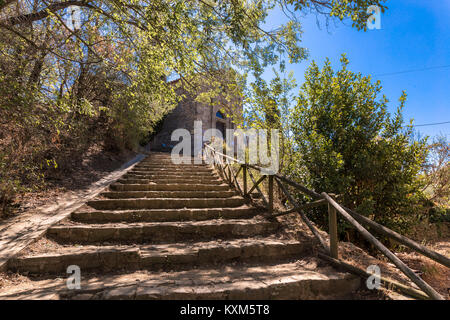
(223, 163)
(391, 256)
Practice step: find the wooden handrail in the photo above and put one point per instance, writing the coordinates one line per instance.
(304, 217)
(305, 206)
(256, 184)
(398, 263)
(399, 238)
(250, 174)
(389, 283)
(355, 219)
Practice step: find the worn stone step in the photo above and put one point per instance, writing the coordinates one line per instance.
(169, 164)
(181, 177)
(264, 282)
(159, 176)
(171, 174)
(174, 171)
(154, 155)
(160, 231)
(155, 257)
(167, 168)
(169, 160)
(160, 215)
(300, 280)
(158, 181)
(238, 250)
(167, 194)
(200, 168)
(165, 203)
(101, 258)
(169, 187)
(174, 167)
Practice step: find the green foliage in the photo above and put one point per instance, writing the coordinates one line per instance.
(436, 173)
(355, 10)
(350, 145)
(439, 214)
(62, 90)
(268, 107)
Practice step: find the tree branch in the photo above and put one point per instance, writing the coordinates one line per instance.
(5, 3)
(44, 13)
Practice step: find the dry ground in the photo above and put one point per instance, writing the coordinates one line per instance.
(94, 165)
(433, 273)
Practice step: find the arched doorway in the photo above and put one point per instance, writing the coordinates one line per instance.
(220, 123)
(221, 127)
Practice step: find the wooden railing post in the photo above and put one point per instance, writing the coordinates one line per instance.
(270, 194)
(244, 177)
(332, 222)
(244, 173)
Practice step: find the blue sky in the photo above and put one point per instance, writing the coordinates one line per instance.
(415, 34)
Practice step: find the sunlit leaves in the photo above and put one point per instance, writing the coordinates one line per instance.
(354, 10)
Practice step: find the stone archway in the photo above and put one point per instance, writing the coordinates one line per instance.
(221, 127)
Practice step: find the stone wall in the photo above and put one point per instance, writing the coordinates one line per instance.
(184, 115)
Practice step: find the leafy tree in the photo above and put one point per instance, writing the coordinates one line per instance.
(437, 172)
(62, 90)
(351, 146)
(268, 103)
(268, 107)
(355, 10)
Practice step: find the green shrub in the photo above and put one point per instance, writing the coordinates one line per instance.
(350, 145)
(439, 214)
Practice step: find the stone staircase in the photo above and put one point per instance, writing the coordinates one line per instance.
(167, 231)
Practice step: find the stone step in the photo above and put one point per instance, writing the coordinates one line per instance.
(167, 155)
(169, 160)
(158, 181)
(169, 187)
(163, 215)
(300, 280)
(174, 170)
(155, 257)
(264, 282)
(170, 164)
(174, 167)
(160, 231)
(170, 174)
(101, 258)
(168, 170)
(160, 176)
(167, 194)
(165, 203)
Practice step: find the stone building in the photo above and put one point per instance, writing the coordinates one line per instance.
(221, 116)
